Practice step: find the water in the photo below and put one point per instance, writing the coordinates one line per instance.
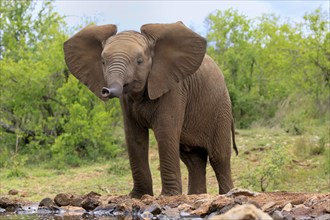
(31, 211)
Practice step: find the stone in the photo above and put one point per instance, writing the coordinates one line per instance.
(227, 208)
(323, 217)
(287, 207)
(301, 211)
(9, 205)
(240, 199)
(243, 212)
(154, 209)
(244, 192)
(76, 200)
(147, 215)
(2, 210)
(203, 209)
(62, 199)
(185, 208)
(13, 192)
(147, 199)
(47, 202)
(200, 202)
(277, 215)
(267, 206)
(171, 212)
(90, 203)
(92, 194)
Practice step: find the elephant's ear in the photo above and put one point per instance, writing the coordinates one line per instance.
(83, 55)
(178, 53)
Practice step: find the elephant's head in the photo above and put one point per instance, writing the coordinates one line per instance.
(130, 62)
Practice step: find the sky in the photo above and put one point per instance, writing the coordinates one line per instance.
(131, 15)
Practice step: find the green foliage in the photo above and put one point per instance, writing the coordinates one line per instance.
(277, 72)
(305, 147)
(266, 174)
(45, 112)
(267, 60)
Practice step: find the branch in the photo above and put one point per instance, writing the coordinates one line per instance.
(11, 129)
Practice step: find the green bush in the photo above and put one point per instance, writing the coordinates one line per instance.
(55, 117)
(266, 175)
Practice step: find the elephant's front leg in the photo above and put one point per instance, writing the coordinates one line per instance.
(138, 146)
(167, 128)
(169, 156)
(137, 140)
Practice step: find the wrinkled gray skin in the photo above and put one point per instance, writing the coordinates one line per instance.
(166, 83)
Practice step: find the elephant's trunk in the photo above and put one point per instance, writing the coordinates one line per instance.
(114, 90)
(115, 75)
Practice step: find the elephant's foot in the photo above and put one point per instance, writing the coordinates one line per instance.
(137, 194)
(225, 187)
(171, 191)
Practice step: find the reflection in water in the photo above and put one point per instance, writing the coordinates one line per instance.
(62, 217)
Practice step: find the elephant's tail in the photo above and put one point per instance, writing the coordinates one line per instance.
(233, 136)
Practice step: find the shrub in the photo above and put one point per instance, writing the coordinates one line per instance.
(266, 174)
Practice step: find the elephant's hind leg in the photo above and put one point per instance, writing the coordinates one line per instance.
(195, 159)
(219, 156)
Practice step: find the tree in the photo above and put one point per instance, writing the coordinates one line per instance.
(45, 112)
(267, 60)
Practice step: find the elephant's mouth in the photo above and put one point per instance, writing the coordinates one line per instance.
(134, 86)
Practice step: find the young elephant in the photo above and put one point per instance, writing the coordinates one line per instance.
(165, 82)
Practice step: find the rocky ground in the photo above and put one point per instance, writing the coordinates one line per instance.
(237, 204)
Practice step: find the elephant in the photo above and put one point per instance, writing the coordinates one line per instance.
(165, 82)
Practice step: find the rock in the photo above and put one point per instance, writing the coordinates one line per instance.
(227, 208)
(147, 215)
(92, 194)
(171, 212)
(3, 202)
(9, 205)
(323, 217)
(243, 212)
(220, 202)
(147, 199)
(66, 199)
(288, 217)
(154, 209)
(277, 215)
(47, 206)
(301, 210)
(185, 208)
(62, 199)
(188, 215)
(2, 210)
(46, 202)
(203, 209)
(267, 206)
(287, 207)
(244, 192)
(76, 200)
(90, 203)
(13, 192)
(240, 199)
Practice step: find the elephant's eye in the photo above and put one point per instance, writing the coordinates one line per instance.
(139, 60)
(103, 63)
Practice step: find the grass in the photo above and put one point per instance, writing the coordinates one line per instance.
(305, 169)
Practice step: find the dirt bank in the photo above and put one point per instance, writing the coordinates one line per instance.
(278, 205)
